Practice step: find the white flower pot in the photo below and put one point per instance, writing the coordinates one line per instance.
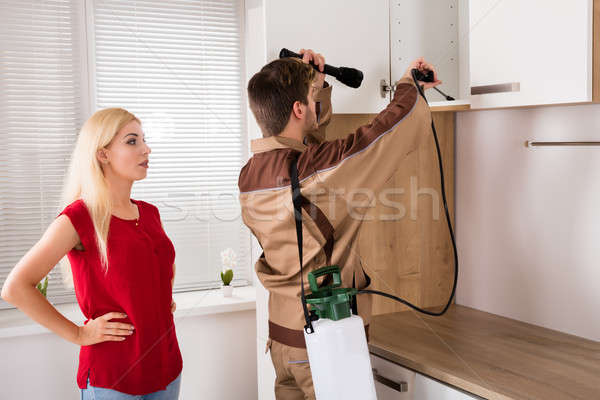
(227, 290)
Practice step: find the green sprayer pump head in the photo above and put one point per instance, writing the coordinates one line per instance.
(332, 302)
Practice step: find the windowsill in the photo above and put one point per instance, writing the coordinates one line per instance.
(14, 323)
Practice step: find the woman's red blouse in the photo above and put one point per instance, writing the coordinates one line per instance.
(137, 283)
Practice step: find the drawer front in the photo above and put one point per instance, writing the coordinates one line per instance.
(392, 381)
(426, 388)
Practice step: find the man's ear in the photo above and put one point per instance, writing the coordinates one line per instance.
(102, 156)
(298, 109)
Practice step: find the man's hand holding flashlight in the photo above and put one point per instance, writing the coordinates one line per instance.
(317, 59)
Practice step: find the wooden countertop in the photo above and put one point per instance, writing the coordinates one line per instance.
(489, 355)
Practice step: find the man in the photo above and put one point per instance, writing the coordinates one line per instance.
(292, 105)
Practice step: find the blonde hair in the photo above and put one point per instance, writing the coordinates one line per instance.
(85, 179)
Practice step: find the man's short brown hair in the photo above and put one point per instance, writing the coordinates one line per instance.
(273, 91)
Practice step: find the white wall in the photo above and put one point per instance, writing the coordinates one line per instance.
(219, 361)
(528, 220)
(256, 58)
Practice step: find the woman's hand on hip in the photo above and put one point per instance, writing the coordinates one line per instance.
(102, 330)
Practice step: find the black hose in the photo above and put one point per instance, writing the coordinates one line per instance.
(441, 167)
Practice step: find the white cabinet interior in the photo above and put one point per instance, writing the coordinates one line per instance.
(349, 33)
(429, 29)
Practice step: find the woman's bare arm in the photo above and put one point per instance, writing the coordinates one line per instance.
(20, 288)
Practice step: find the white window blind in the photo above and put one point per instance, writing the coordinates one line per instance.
(40, 114)
(178, 66)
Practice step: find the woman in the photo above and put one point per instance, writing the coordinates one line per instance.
(122, 264)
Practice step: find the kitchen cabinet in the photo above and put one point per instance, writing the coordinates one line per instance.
(525, 53)
(392, 381)
(493, 54)
(380, 39)
(395, 382)
(429, 389)
(350, 33)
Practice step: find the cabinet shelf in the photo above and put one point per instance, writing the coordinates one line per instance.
(455, 105)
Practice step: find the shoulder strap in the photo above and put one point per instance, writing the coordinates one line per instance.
(297, 200)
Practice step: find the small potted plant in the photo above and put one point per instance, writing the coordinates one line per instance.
(229, 261)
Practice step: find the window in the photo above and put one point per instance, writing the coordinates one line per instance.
(40, 114)
(178, 67)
